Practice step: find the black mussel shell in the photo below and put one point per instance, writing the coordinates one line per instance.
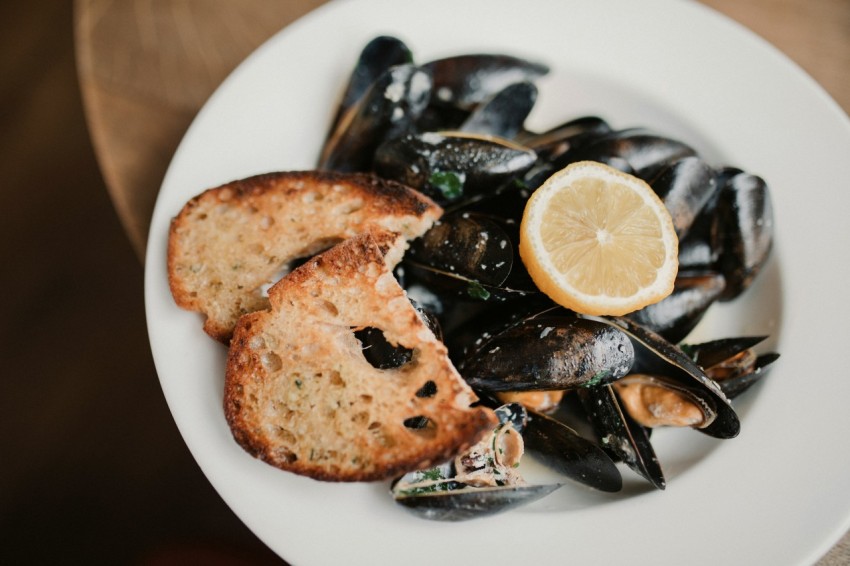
(685, 186)
(646, 153)
(567, 136)
(714, 352)
(562, 449)
(675, 316)
(699, 248)
(469, 245)
(735, 386)
(620, 435)
(464, 503)
(549, 352)
(490, 320)
(451, 166)
(741, 366)
(504, 114)
(656, 356)
(745, 216)
(378, 56)
(389, 108)
(464, 81)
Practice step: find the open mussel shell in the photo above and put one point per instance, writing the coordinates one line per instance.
(451, 166)
(734, 386)
(620, 435)
(658, 401)
(441, 494)
(715, 352)
(464, 503)
(464, 81)
(745, 216)
(549, 352)
(732, 362)
(504, 114)
(685, 187)
(646, 153)
(562, 449)
(390, 107)
(675, 316)
(656, 356)
(378, 56)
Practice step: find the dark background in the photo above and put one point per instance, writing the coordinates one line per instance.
(93, 469)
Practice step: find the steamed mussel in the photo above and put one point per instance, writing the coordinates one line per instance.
(455, 129)
(481, 481)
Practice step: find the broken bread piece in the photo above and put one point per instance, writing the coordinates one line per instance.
(229, 244)
(300, 395)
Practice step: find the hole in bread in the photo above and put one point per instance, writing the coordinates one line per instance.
(383, 437)
(335, 379)
(416, 422)
(421, 425)
(331, 308)
(271, 361)
(286, 436)
(427, 390)
(350, 207)
(297, 261)
(284, 455)
(312, 196)
(378, 351)
(266, 222)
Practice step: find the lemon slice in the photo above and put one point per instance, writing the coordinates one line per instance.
(599, 241)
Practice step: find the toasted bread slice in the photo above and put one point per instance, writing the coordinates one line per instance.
(229, 244)
(300, 395)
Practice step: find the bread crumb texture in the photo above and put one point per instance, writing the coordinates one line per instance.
(229, 244)
(300, 394)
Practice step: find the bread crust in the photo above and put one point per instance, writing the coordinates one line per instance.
(300, 395)
(229, 243)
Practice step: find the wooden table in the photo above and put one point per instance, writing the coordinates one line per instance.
(147, 66)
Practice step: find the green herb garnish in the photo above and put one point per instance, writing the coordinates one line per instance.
(475, 290)
(447, 182)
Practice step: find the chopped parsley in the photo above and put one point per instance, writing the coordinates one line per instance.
(597, 379)
(447, 182)
(475, 290)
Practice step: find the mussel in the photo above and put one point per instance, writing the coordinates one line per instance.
(482, 481)
(745, 216)
(732, 362)
(549, 352)
(377, 57)
(464, 81)
(685, 186)
(645, 153)
(504, 114)
(390, 107)
(449, 166)
(675, 316)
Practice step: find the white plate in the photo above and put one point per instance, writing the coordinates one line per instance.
(777, 494)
